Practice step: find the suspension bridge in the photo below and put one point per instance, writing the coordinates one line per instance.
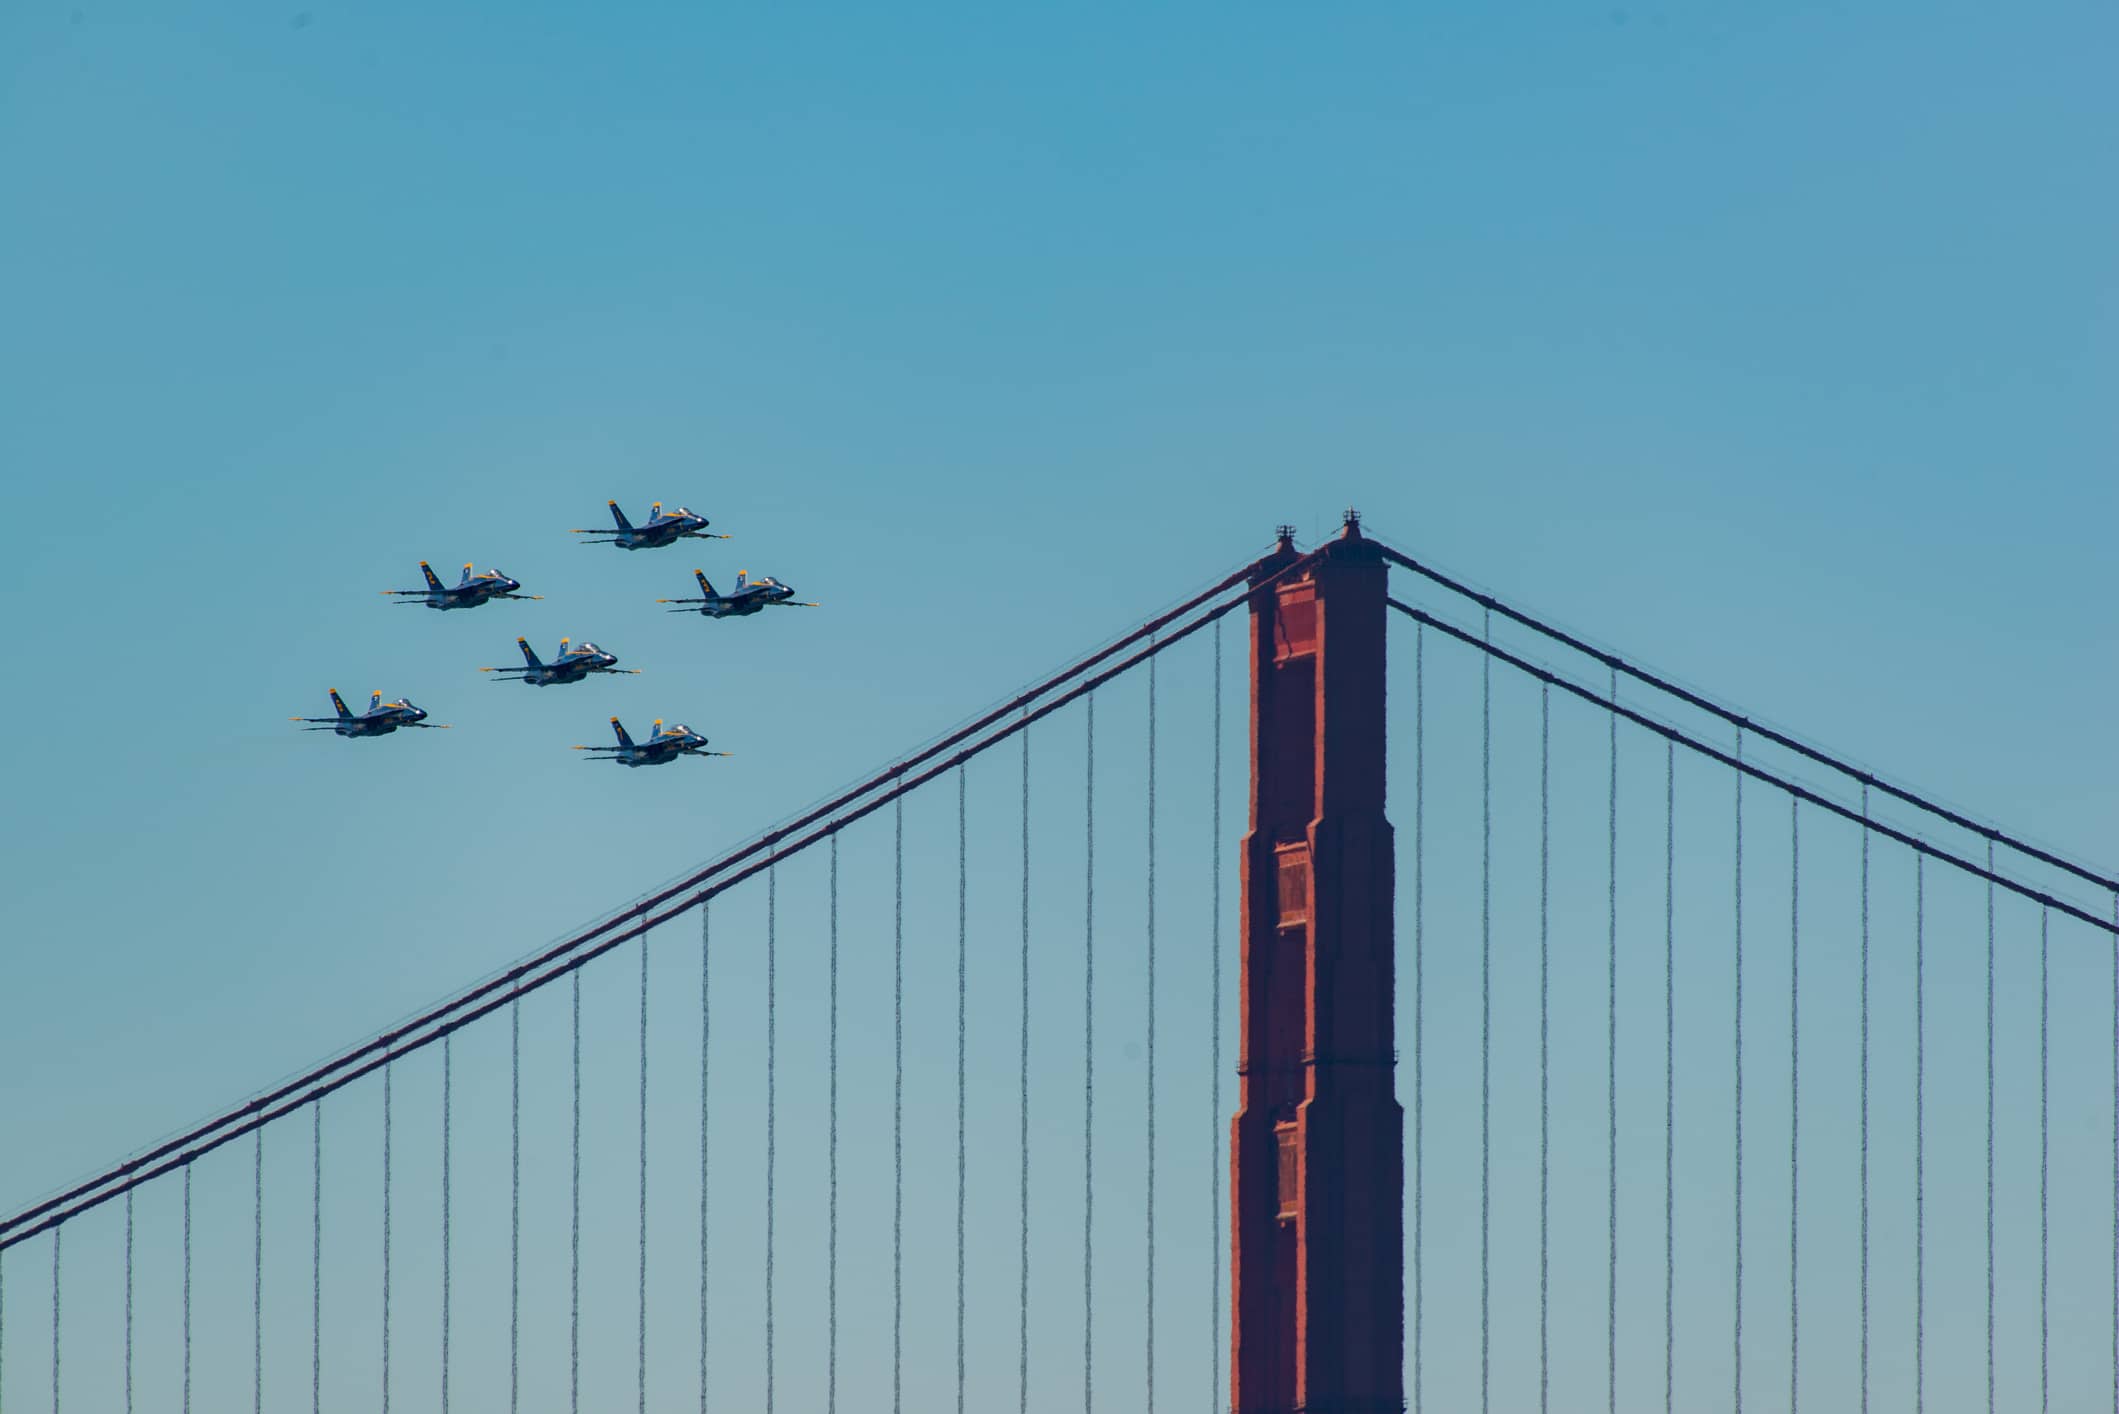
(1656, 1058)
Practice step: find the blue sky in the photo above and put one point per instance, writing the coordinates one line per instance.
(1770, 346)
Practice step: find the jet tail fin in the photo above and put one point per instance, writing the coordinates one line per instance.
(433, 580)
(529, 654)
(704, 587)
(619, 516)
(339, 703)
(624, 739)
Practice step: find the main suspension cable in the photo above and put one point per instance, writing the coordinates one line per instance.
(1744, 723)
(875, 791)
(1780, 783)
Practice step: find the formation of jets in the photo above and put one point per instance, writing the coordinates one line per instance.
(574, 662)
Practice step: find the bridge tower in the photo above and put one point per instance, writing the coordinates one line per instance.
(1316, 1163)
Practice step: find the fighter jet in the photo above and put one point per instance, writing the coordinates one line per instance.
(660, 530)
(467, 593)
(659, 749)
(572, 664)
(381, 718)
(749, 597)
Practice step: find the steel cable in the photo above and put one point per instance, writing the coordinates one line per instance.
(1023, 1121)
(640, 1290)
(772, 1127)
(963, 947)
(574, 1237)
(2045, 1149)
(831, 1240)
(1670, 1074)
(185, 1406)
(1486, 1011)
(447, 1067)
(897, 1110)
(1544, 1048)
(1795, 1055)
(316, 1259)
(1990, 1131)
(58, 1233)
(128, 1303)
(1737, 1329)
(1089, 1067)
(388, 1073)
(1611, 1069)
(706, 954)
(1150, 1407)
(1920, 1135)
(514, 1205)
(1865, 1102)
(1419, 1001)
(257, 1279)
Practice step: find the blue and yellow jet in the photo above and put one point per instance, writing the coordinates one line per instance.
(381, 718)
(661, 529)
(572, 664)
(467, 593)
(750, 595)
(659, 749)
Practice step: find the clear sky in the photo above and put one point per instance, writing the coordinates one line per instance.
(1772, 345)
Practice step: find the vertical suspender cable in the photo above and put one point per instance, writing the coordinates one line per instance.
(1611, 1067)
(1670, 1074)
(257, 1276)
(1920, 1133)
(1023, 1120)
(1089, 1069)
(185, 1405)
(316, 1258)
(128, 1301)
(2045, 1150)
(1795, 1056)
(1214, 1151)
(963, 948)
(640, 1289)
(3, 1328)
(1419, 992)
(514, 1203)
(772, 1126)
(2115, 1158)
(831, 1239)
(897, 1109)
(1990, 1127)
(1486, 1013)
(574, 1231)
(1150, 1337)
(1736, 1340)
(388, 1072)
(1865, 1101)
(447, 1068)
(706, 954)
(1544, 1047)
(57, 1234)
